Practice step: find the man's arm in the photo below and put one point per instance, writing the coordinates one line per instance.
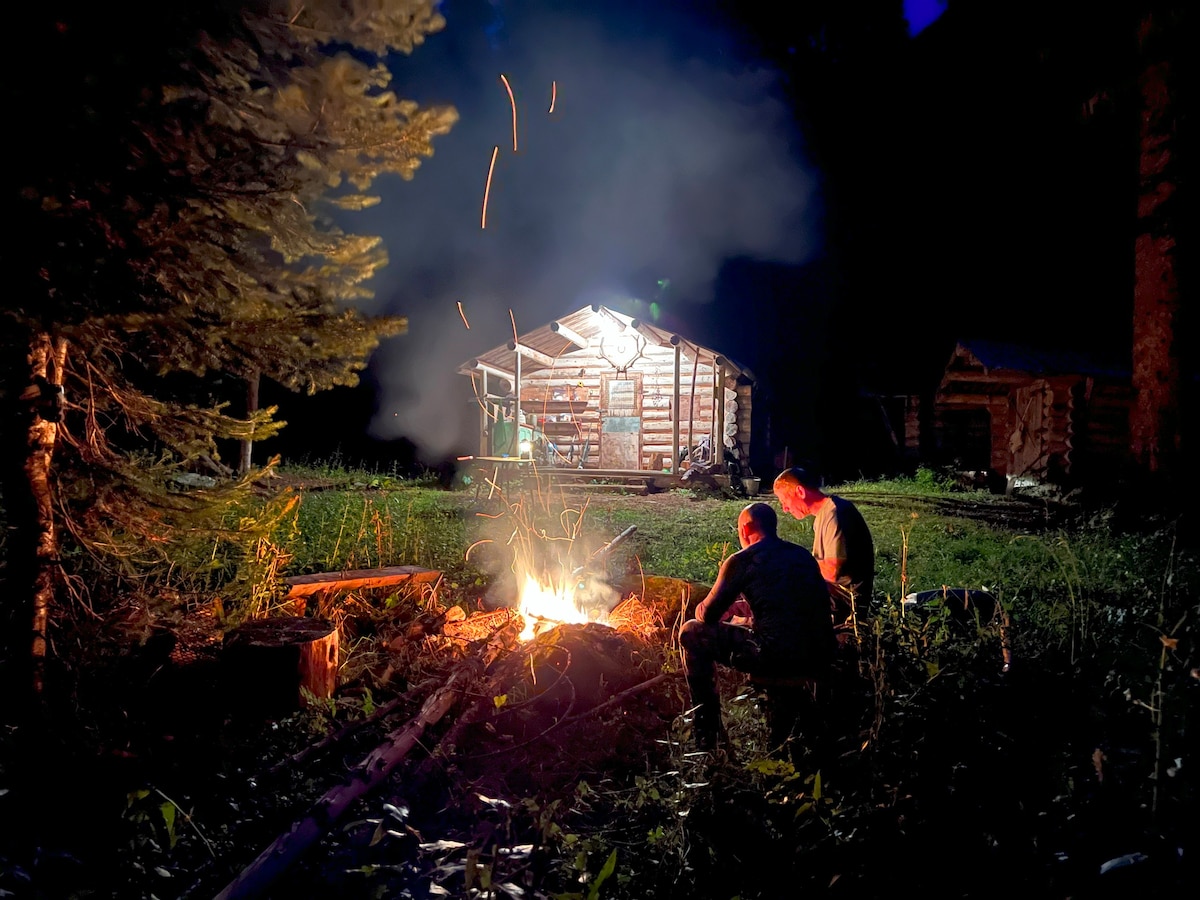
(725, 591)
(830, 543)
(831, 567)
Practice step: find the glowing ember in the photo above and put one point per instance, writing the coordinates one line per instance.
(513, 102)
(463, 314)
(553, 94)
(488, 187)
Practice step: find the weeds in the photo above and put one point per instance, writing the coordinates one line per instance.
(946, 743)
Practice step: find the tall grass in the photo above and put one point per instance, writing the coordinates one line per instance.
(361, 529)
(1077, 585)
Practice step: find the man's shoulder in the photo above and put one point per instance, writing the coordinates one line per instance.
(842, 505)
(783, 546)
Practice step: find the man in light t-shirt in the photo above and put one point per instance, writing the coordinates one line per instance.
(842, 545)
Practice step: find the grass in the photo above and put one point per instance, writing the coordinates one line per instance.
(1102, 615)
(1070, 573)
(1103, 625)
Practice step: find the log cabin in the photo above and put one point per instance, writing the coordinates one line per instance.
(601, 390)
(1054, 417)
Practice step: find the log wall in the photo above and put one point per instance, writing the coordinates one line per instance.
(564, 402)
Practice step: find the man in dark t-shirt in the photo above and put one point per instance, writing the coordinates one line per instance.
(791, 635)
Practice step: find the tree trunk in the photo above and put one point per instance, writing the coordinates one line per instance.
(252, 384)
(47, 359)
(1155, 419)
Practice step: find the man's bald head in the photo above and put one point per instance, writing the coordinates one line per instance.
(759, 519)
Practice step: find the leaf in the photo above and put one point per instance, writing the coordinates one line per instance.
(767, 767)
(168, 813)
(609, 866)
(500, 700)
(1169, 642)
(441, 845)
(135, 796)
(380, 830)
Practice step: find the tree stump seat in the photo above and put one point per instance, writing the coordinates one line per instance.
(273, 665)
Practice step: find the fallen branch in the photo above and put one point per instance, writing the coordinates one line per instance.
(571, 720)
(616, 699)
(364, 778)
(352, 727)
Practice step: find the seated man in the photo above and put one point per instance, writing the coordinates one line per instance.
(791, 635)
(842, 545)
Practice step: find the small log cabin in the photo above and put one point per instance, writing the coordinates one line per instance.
(1050, 416)
(599, 389)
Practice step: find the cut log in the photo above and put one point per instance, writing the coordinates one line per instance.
(303, 585)
(271, 665)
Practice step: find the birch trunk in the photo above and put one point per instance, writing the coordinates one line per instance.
(252, 385)
(47, 359)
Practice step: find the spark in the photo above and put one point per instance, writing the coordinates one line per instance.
(488, 187)
(513, 319)
(512, 102)
(463, 314)
(467, 555)
(553, 94)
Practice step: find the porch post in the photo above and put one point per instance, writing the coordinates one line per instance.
(675, 408)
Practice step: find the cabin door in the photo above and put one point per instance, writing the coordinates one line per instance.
(621, 422)
(1027, 444)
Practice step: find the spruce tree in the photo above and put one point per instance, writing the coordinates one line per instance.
(174, 194)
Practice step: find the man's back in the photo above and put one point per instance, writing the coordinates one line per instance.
(788, 598)
(841, 532)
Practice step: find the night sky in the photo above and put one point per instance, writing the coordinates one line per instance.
(830, 197)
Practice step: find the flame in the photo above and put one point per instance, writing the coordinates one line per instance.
(544, 606)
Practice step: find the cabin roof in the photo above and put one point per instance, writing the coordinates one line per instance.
(543, 346)
(1040, 361)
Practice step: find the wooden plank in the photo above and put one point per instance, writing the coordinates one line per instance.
(993, 377)
(553, 407)
(303, 585)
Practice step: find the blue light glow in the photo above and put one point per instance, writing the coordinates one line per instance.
(920, 14)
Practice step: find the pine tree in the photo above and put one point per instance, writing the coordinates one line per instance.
(174, 192)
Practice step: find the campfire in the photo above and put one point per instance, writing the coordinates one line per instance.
(547, 605)
(549, 591)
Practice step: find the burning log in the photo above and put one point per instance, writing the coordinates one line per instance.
(368, 775)
(603, 553)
